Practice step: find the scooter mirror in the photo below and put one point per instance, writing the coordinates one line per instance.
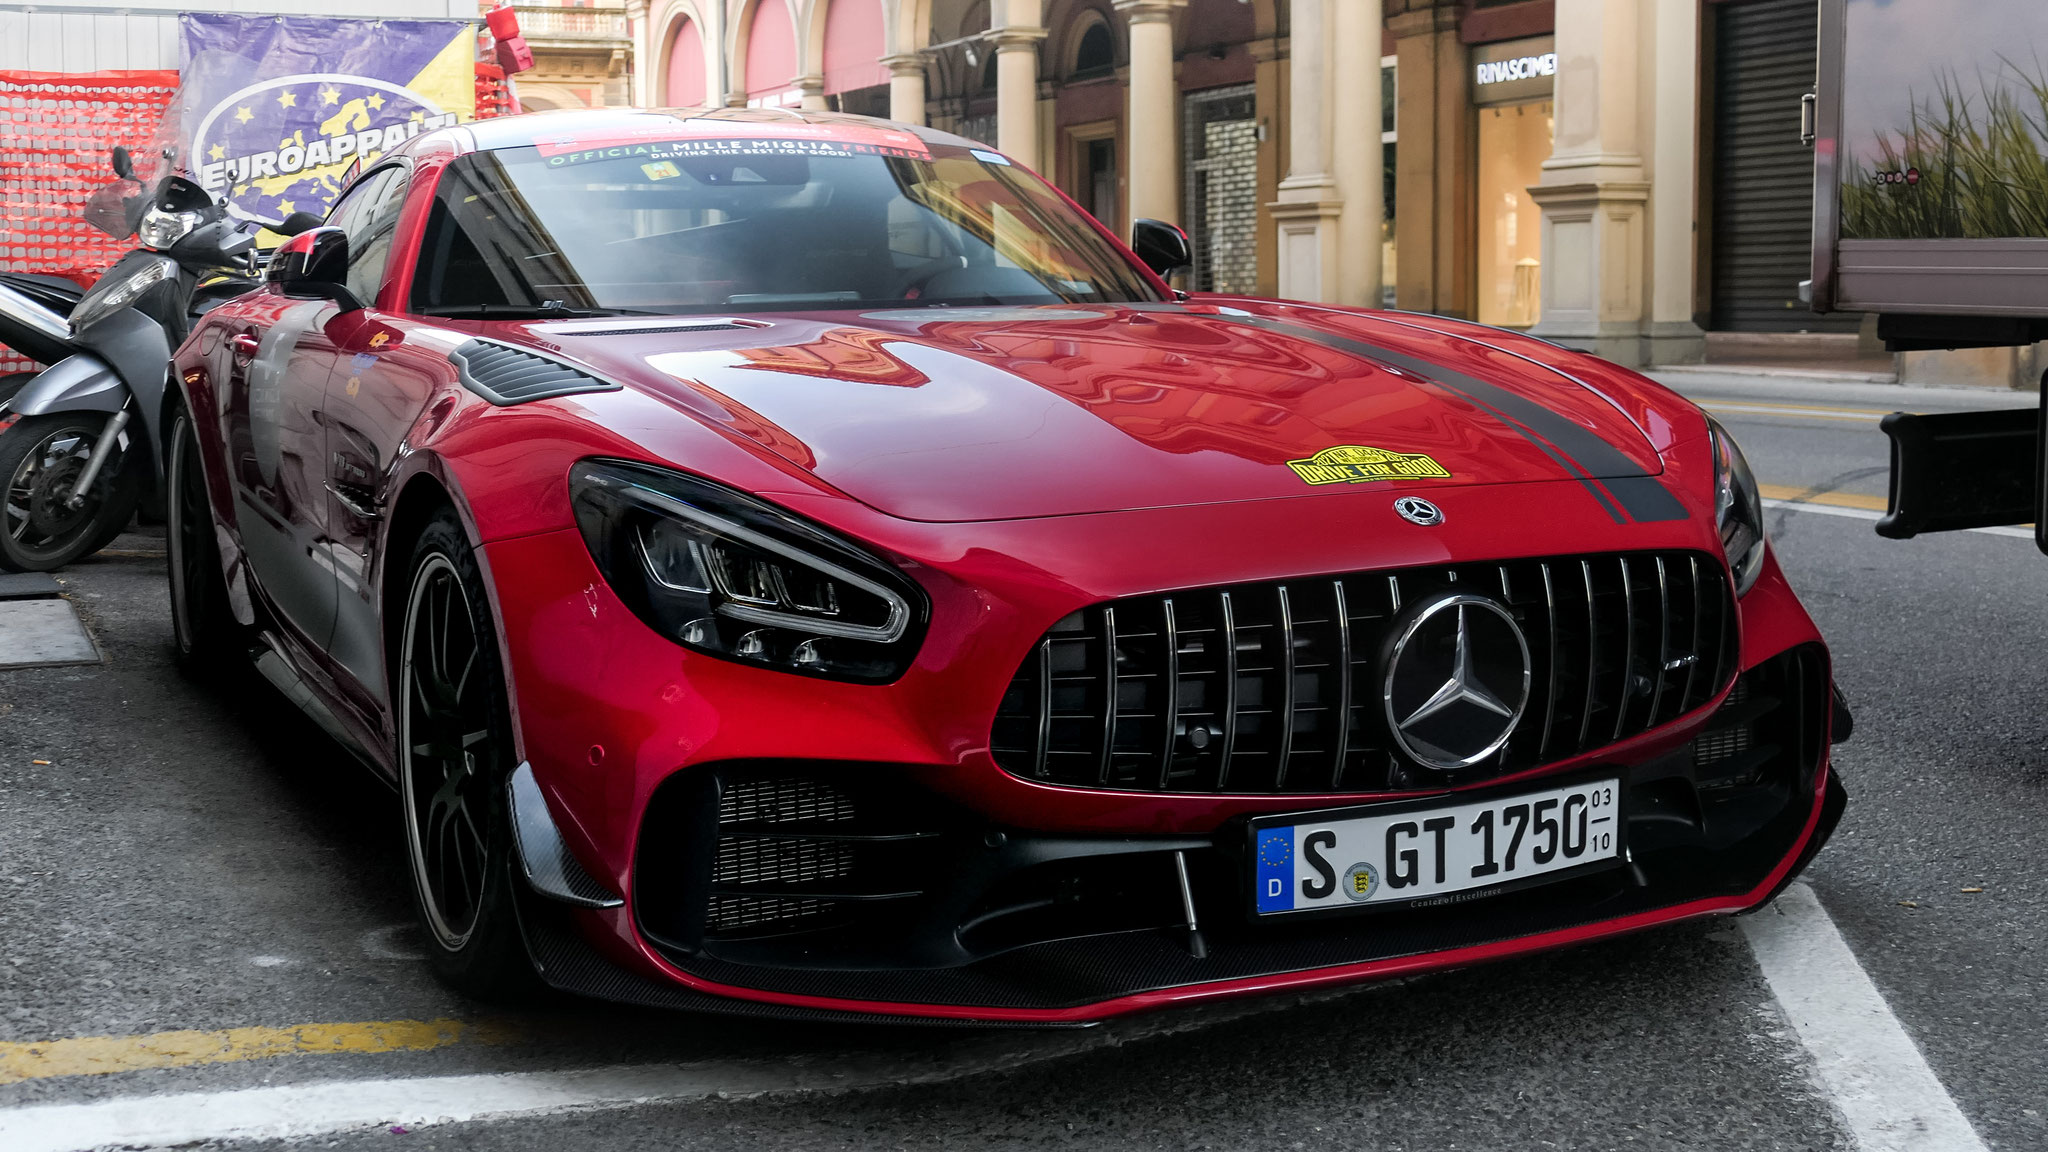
(123, 166)
(296, 223)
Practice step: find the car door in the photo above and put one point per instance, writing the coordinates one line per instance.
(281, 362)
(381, 386)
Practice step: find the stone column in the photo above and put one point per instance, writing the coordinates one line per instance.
(646, 61)
(813, 89)
(1356, 153)
(1436, 177)
(1595, 190)
(1152, 126)
(1015, 27)
(906, 87)
(1674, 337)
(1305, 211)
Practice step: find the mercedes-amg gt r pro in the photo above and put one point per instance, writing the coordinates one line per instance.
(800, 564)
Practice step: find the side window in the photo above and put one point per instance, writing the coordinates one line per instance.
(370, 230)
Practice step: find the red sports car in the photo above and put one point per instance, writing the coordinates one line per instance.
(798, 564)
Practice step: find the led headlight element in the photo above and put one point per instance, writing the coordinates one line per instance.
(1738, 509)
(731, 576)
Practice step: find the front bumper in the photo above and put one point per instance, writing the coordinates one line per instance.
(1014, 901)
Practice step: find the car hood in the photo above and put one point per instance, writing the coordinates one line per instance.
(1004, 413)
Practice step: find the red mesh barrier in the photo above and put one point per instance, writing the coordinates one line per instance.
(56, 129)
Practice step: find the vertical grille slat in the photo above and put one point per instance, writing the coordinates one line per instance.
(1171, 688)
(1284, 714)
(1341, 703)
(1224, 758)
(1273, 688)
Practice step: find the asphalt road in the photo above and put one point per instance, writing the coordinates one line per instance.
(194, 859)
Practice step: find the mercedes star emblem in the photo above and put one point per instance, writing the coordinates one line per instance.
(1457, 680)
(1416, 510)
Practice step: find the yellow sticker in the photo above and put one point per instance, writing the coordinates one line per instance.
(661, 170)
(1356, 464)
(380, 339)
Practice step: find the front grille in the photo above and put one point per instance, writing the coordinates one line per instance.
(1275, 688)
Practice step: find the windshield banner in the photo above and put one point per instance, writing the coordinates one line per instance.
(275, 111)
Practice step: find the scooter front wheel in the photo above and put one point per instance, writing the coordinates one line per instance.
(41, 459)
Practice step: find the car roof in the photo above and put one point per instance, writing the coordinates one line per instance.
(530, 128)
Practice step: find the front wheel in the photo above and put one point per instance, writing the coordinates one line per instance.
(41, 459)
(454, 758)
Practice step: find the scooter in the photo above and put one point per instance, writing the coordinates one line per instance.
(77, 440)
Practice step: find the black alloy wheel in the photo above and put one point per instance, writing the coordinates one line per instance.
(204, 633)
(454, 758)
(41, 459)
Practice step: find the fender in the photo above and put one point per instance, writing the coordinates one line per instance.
(81, 382)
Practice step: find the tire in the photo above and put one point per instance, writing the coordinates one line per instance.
(454, 758)
(39, 457)
(205, 638)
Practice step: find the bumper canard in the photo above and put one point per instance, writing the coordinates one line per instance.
(1356, 464)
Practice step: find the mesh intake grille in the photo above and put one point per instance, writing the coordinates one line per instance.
(505, 375)
(1275, 688)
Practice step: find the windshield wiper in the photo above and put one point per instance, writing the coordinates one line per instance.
(546, 310)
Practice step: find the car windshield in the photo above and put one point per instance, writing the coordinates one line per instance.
(754, 226)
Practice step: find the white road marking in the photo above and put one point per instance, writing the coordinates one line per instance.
(302, 1110)
(1846, 415)
(1875, 1074)
(1865, 514)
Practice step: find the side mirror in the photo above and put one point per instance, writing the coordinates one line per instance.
(123, 166)
(313, 265)
(1163, 247)
(296, 224)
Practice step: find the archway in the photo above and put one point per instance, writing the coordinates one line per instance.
(684, 79)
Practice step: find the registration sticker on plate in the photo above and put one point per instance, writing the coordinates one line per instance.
(1388, 854)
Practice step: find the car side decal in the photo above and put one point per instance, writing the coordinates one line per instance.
(1624, 488)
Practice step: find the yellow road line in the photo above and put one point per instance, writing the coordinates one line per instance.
(100, 1055)
(1801, 411)
(1835, 499)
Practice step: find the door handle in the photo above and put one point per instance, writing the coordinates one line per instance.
(245, 347)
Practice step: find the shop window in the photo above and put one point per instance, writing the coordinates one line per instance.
(1514, 141)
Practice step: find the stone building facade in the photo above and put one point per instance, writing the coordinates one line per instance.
(1542, 164)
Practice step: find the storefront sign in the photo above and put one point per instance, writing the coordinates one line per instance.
(1513, 71)
(1520, 68)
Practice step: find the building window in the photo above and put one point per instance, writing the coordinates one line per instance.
(1096, 55)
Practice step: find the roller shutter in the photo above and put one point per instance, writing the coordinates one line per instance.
(1763, 176)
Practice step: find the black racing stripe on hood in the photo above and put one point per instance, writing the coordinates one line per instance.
(1599, 466)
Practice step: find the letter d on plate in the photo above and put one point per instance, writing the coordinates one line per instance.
(1276, 869)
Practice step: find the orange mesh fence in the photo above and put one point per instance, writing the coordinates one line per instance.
(56, 129)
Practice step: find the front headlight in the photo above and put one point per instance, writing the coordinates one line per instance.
(106, 299)
(1738, 509)
(730, 576)
(160, 229)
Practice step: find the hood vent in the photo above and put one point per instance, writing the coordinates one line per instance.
(505, 375)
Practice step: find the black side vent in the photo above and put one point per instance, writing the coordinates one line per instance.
(505, 375)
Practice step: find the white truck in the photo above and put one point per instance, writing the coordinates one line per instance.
(1929, 123)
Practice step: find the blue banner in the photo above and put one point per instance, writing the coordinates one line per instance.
(275, 112)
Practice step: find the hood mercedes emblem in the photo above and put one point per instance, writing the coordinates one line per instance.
(1457, 680)
(1416, 510)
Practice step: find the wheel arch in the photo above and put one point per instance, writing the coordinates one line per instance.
(421, 495)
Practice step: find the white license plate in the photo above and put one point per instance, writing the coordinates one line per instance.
(1393, 854)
